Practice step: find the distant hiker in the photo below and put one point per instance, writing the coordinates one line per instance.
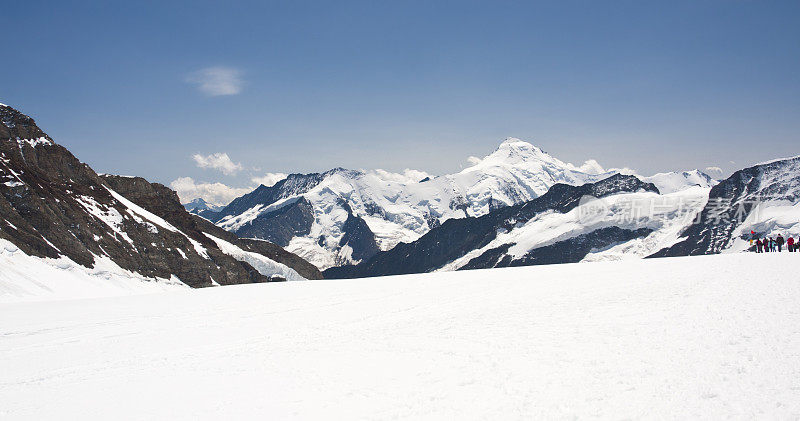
(759, 246)
(779, 241)
(766, 245)
(790, 244)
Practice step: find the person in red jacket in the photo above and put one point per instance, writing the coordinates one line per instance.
(790, 244)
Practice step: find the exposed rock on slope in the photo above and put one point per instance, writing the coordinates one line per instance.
(52, 205)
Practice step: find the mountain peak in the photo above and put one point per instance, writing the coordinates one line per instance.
(519, 144)
(16, 125)
(514, 151)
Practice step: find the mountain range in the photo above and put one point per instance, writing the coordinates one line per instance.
(345, 217)
(517, 206)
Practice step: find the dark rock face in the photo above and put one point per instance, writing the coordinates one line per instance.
(358, 236)
(731, 201)
(567, 251)
(281, 225)
(15, 125)
(456, 237)
(53, 205)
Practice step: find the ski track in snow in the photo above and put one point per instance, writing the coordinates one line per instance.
(689, 337)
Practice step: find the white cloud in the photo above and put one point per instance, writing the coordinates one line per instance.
(213, 193)
(218, 161)
(592, 167)
(473, 160)
(269, 179)
(407, 176)
(217, 81)
(714, 172)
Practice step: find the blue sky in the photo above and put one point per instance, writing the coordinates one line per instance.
(140, 88)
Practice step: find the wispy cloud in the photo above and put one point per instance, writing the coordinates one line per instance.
(214, 193)
(473, 160)
(218, 161)
(217, 81)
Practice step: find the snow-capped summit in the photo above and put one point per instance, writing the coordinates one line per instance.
(199, 204)
(516, 151)
(517, 172)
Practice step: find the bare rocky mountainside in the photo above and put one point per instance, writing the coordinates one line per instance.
(53, 206)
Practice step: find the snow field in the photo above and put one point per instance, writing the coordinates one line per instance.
(689, 337)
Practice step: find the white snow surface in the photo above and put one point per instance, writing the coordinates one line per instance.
(709, 337)
(30, 278)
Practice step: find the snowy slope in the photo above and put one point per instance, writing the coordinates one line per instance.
(710, 337)
(30, 278)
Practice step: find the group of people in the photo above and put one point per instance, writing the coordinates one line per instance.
(769, 244)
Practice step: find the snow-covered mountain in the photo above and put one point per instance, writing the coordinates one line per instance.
(617, 217)
(202, 208)
(344, 217)
(58, 216)
(199, 205)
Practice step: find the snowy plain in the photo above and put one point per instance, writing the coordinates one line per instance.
(675, 338)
